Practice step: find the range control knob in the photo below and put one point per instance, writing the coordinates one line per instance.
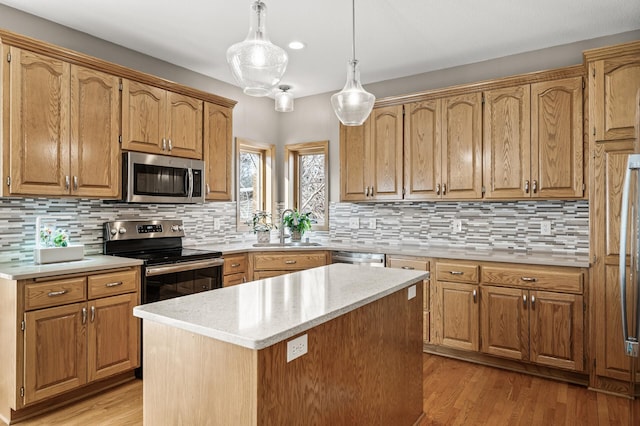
(113, 231)
(174, 228)
(122, 230)
(180, 228)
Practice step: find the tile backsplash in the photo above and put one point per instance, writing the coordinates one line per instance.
(485, 225)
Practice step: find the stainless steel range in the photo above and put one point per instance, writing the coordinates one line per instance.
(169, 270)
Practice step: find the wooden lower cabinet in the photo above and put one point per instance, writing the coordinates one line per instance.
(271, 264)
(459, 315)
(505, 328)
(235, 269)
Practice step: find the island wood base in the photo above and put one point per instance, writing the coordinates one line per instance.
(364, 367)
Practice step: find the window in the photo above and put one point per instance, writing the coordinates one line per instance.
(307, 180)
(255, 179)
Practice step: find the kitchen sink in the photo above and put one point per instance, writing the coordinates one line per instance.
(289, 244)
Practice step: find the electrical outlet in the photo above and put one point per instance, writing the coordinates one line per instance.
(296, 347)
(354, 223)
(456, 225)
(216, 224)
(372, 223)
(545, 227)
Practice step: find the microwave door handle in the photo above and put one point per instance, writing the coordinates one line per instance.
(190, 189)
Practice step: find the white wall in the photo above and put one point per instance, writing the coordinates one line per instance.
(313, 118)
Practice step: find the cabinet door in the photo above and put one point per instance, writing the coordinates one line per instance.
(386, 153)
(507, 143)
(557, 329)
(504, 322)
(462, 146)
(354, 169)
(184, 126)
(614, 84)
(557, 139)
(113, 336)
(459, 315)
(95, 128)
(39, 124)
(422, 150)
(218, 131)
(55, 345)
(143, 118)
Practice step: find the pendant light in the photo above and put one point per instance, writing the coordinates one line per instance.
(284, 99)
(256, 63)
(353, 104)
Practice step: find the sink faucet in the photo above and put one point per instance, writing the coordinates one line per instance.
(284, 213)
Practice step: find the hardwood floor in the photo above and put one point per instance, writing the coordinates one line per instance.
(455, 393)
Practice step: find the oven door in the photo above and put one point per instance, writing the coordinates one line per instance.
(179, 279)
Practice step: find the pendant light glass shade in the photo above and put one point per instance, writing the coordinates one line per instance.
(284, 99)
(353, 104)
(256, 63)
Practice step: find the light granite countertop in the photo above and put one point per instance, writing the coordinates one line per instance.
(261, 313)
(508, 256)
(26, 270)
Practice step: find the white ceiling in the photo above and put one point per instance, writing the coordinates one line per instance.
(394, 38)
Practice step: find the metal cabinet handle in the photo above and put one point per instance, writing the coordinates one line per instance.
(456, 272)
(93, 313)
(475, 296)
(235, 265)
(56, 293)
(444, 189)
(208, 189)
(408, 267)
(524, 300)
(535, 186)
(75, 183)
(170, 145)
(204, 287)
(164, 144)
(533, 302)
(366, 191)
(438, 189)
(84, 315)
(115, 284)
(290, 262)
(67, 182)
(529, 279)
(244, 279)
(526, 186)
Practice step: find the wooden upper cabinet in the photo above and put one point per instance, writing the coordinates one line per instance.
(386, 153)
(507, 142)
(95, 128)
(65, 123)
(614, 83)
(218, 134)
(462, 146)
(422, 150)
(354, 166)
(157, 121)
(38, 118)
(184, 126)
(557, 147)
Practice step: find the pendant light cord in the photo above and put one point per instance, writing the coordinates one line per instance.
(353, 27)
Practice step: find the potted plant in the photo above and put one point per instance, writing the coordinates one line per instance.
(298, 223)
(262, 225)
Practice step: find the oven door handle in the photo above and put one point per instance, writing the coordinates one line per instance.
(182, 266)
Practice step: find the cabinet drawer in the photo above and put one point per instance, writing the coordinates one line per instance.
(288, 262)
(235, 264)
(457, 272)
(402, 263)
(533, 278)
(234, 279)
(54, 293)
(112, 283)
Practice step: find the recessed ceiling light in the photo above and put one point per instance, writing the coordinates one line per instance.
(296, 45)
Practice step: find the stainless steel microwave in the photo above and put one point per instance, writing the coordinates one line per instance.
(149, 178)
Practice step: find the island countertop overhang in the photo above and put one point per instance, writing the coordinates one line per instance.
(261, 313)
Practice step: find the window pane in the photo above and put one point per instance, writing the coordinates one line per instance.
(313, 186)
(250, 196)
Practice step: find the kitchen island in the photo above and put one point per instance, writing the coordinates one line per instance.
(221, 357)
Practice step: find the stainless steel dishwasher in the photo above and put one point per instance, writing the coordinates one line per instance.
(372, 259)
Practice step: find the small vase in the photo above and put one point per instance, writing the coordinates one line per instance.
(296, 235)
(264, 237)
